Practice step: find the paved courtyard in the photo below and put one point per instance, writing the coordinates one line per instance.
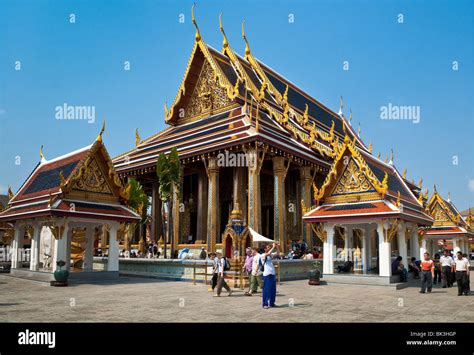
(149, 300)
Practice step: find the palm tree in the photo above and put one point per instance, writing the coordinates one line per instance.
(168, 170)
(137, 200)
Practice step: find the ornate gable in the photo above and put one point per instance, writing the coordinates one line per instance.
(352, 180)
(208, 96)
(93, 180)
(440, 216)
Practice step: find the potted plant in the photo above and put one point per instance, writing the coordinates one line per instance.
(61, 275)
(315, 274)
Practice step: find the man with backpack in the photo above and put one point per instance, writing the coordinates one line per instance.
(223, 265)
(269, 275)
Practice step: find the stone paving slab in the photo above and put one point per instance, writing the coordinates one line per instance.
(149, 300)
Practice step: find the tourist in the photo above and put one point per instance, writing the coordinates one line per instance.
(291, 255)
(256, 279)
(247, 268)
(213, 258)
(468, 279)
(269, 275)
(427, 273)
(399, 269)
(221, 269)
(437, 270)
(446, 262)
(315, 253)
(461, 269)
(414, 268)
(308, 255)
(203, 255)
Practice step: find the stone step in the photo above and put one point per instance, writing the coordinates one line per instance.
(363, 280)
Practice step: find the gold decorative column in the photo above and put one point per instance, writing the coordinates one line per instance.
(280, 168)
(201, 230)
(212, 203)
(306, 180)
(255, 158)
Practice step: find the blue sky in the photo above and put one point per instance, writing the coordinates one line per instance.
(82, 63)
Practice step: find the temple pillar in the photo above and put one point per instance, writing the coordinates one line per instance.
(201, 230)
(254, 219)
(385, 262)
(365, 252)
(415, 245)
(402, 243)
(156, 216)
(89, 249)
(212, 203)
(68, 249)
(17, 246)
(113, 256)
(279, 201)
(176, 211)
(348, 233)
(306, 180)
(35, 248)
(423, 248)
(329, 249)
(60, 247)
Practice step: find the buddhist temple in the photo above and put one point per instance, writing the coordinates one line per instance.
(59, 210)
(450, 229)
(251, 144)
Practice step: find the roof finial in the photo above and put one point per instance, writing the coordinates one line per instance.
(341, 106)
(43, 159)
(10, 193)
(420, 183)
(449, 196)
(434, 186)
(350, 115)
(198, 34)
(225, 43)
(370, 147)
(247, 48)
(99, 137)
(358, 130)
(405, 173)
(378, 155)
(392, 157)
(137, 138)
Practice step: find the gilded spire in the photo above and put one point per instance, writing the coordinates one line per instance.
(392, 157)
(420, 183)
(247, 48)
(370, 147)
(350, 115)
(341, 106)
(43, 159)
(198, 34)
(137, 138)
(358, 130)
(10, 193)
(225, 43)
(434, 187)
(99, 137)
(378, 155)
(449, 196)
(405, 173)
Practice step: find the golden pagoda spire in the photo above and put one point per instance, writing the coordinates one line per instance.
(99, 137)
(43, 159)
(247, 48)
(198, 34)
(420, 183)
(378, 155)
(386, 158)
(434, 187)
(137, 138)
(350, 115)
(405, 173)
(225, 43)
(341, 106)
(392, 156)
(370, 147)
(10, 193)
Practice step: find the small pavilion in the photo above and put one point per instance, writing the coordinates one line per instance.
(65, 203)
(366, 212)
(450, 230)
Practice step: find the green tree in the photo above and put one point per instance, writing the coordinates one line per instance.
(168, 170)
(138, 201)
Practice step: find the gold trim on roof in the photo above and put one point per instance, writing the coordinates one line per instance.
(431, 207)
(380, 186)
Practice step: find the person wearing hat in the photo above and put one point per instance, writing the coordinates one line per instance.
(221, 275)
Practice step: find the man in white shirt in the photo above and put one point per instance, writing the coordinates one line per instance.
(461, 268)
(221, 260)
(269, 275)
(255, 276)
(446, 262)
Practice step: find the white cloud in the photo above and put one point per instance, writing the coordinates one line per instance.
(470, 185)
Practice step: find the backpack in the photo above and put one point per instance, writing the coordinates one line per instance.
(261, 264)
(226, 264)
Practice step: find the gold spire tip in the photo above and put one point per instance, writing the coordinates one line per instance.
(193, 19)
(99, 137)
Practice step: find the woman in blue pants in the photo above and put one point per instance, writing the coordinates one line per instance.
(269, 279)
